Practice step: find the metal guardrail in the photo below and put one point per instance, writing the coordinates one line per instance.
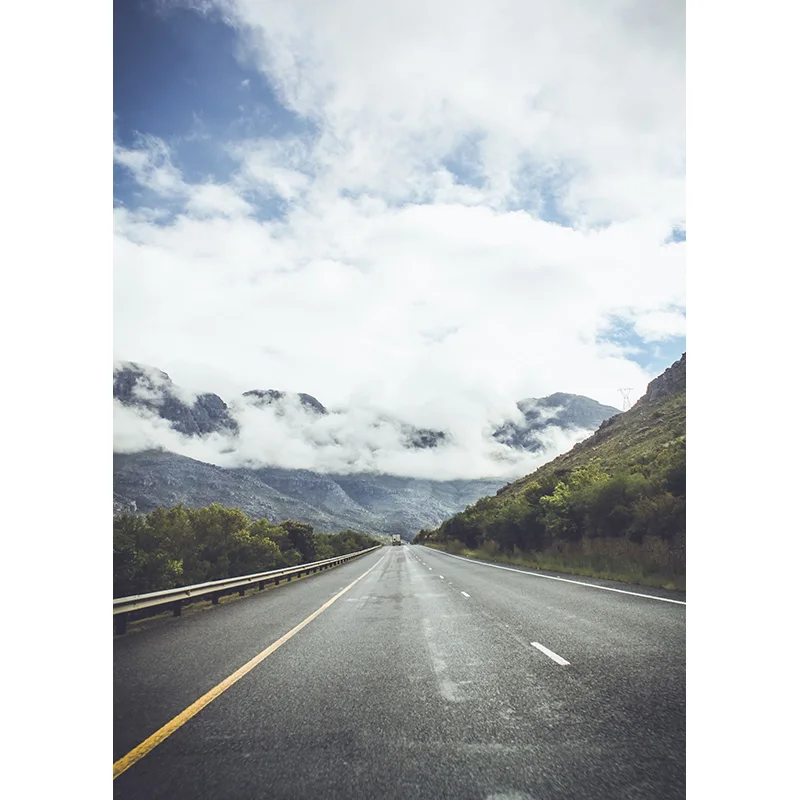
(174, 598)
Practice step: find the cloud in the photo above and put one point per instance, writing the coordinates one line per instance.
(656, 326)
(273, 167)
(210, 199)
(152, 386)
(357, 439)
(150, 164)
(479, 190)
(596, 91)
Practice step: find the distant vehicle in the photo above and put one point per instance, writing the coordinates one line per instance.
(396, 539)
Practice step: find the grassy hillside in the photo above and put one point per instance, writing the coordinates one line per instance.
(614, 506)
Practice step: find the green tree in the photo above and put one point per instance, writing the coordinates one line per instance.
(253, 553)
(323, 546)
(141, 563)
(301, 535)
(214, 528)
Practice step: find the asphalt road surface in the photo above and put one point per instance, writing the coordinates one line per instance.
(429, 677)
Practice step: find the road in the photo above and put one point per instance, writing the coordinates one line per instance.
(429, 677)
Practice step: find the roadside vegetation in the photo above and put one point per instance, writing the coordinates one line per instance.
(614, 507)
(180, 546)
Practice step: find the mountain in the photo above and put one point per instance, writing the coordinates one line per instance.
(331, 502)
(613, 506)
(273, 397)
(153, 390)
(373, 503)
(656, 423)
(567, 411)
(144, 481)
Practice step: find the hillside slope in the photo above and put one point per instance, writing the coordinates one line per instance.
(614, 505)
(369, 503)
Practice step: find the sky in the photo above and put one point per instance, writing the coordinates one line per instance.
(422, 208)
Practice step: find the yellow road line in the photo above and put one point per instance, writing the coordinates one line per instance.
(140, 751)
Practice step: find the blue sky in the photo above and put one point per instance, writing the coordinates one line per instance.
(281, 168)
(176, 77)
(650, 355)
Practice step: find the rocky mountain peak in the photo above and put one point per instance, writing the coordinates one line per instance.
(567, 411)
(670, 382)
(267, 397)
(139, 386)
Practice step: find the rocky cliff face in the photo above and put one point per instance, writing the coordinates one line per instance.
(152, 389)
(671, 381)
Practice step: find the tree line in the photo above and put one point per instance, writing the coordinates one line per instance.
(562, 512)
(180, 546)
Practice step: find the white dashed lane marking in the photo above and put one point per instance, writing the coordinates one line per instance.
(550, 654)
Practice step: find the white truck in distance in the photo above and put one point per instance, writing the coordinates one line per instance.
(396, 539)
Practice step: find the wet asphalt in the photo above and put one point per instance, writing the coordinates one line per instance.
(420, 681)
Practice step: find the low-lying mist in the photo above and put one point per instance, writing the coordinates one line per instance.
(356, 439)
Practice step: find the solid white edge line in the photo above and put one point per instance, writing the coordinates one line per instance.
(465, 594)
(555, 656)
(564, 580)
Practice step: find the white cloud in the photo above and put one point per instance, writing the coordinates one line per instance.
(273, 167)
(390, 283)
(151, 166)
(656, 326)
(210, 199)
(153, 384)
(345, 300)
(593, 90)
(351, 440)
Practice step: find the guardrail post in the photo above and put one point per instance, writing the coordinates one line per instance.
(177, 606)
(277, 581)
(241, 591)
(215, 599)
(261, 585)
(120, 624)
